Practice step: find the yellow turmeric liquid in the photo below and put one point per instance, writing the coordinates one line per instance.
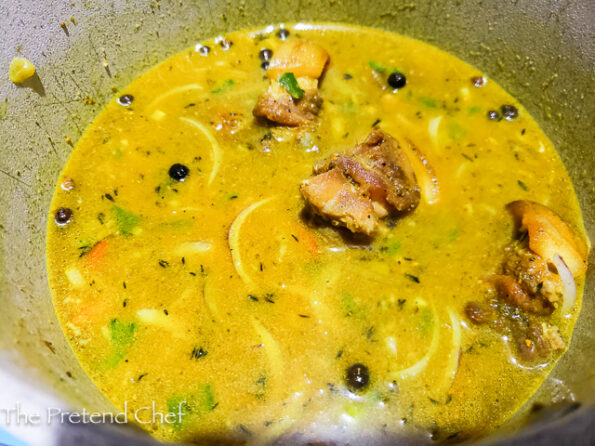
(212, 297)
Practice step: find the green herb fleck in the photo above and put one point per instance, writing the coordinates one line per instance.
(473, 110)
(428, 102)
(290, 83)
(381, 68)
(392, 247)
(224, 87)
(187, 408)
(122, 335)
(427, 321)
(456, 131)
(377, 66)
(126, 220)
(452, 235)
(350, 305)
(354, 410)
(349, 107)
(412, 278)
(522, 185)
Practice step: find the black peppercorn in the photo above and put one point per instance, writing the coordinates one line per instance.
(510, 112)
(178, 172)
(282, 34)
(265, 54)
(125, 100)
(478, 81)
(493, 115)
(204, 50)
(397, 80)
(225, 44)
(357, 377)
(63, 216)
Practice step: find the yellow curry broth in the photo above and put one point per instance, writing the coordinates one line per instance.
(252, 321)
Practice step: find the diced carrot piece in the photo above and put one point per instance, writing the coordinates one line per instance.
(87, 312)
(306, 235)
(97, 253)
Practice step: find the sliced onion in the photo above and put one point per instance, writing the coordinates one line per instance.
(210, 299)
(216, 149)
(272, 351)
(427, 176)
(568, 282)
(433, 125)
(454, 355)
(234, 239)
(421, 365)
(174, 91)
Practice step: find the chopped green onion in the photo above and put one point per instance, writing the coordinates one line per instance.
(189, 407)
(427, 321)
(522, 185)
(381, 68)
(126, 220)
(224, 87)
(290, 83)
(122, 335)
(428, 102)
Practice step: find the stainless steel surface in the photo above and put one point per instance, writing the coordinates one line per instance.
(543, 52)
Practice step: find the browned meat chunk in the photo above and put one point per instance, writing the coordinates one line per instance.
(381, 155)
(283, 109)
(532, 273)
(531, 285)
(530, 279)
(513, 294)
(378, 172)
(480, 313)
(333, 196)
(538, 341)
(533, 339)
(306, 61)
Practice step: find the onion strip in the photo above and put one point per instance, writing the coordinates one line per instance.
(172, 92)
(433, 126)
(420, 365)
(568, 282)
(271, 348)
(454, 356)
(217, 153)
(292, 407)
(234, 239)
(317, 297)
(209, 298)
(428, 179)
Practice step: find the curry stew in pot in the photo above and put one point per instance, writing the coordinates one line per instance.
(281, 234)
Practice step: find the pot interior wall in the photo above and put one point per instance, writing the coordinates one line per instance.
(543, 52)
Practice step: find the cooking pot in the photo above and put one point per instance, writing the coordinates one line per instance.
(542, 52)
